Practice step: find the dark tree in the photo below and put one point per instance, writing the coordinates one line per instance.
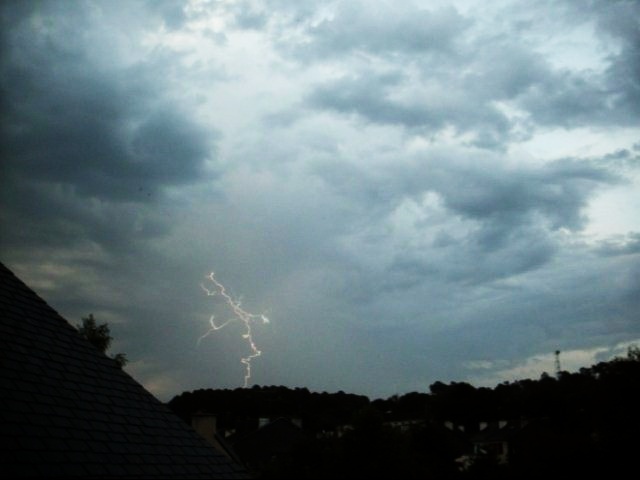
(100, 337)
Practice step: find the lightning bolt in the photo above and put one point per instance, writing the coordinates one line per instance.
(239, 315)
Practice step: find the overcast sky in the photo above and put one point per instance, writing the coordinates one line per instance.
(409, 191)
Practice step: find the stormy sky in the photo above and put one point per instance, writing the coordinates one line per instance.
(410, 191)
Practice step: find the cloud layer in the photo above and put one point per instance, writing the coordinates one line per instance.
(408, 191)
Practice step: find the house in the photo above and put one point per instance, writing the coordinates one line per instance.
(493, 439)
(206, 424)
(273, 443)
(68, 410)
(404, 425)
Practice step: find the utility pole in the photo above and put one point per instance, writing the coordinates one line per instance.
(558, 369)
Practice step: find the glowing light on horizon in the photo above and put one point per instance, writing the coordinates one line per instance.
(239, 315)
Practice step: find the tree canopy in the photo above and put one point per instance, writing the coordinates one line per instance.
(570, 424)
(100, 336)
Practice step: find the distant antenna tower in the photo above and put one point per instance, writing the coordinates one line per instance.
(558, 369)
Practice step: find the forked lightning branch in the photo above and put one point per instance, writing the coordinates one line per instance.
(239, 315)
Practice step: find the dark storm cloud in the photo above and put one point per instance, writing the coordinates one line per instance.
(623, 77)
(471, 73)
(482, 187)
(459, 91)
(500, 69)
(595, 304)
(392, 224)
(67, 121)
(171, 11)
(627, 245)
(591, 303)
(568, 100)
(53, 216)
(620, 20)
(557, 191)
(367, 95)
(514, 213)
(612, 97)
(81, 138)
(489, 254)
(467, 102)
(494, 220)
(374, 97)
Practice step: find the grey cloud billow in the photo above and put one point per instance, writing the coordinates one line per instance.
(380, 28)
(481, 187)
(478, 259)
(515, 213)
(619, 20)
(64, 125)
(589, 302)
(472, 74)
(82, 139)
(170, 11)
(367, 95)
(51, 216)
(370, 96)
(509, 215)
(468, 103)
(560, 97)
(485, 190)
(390, 225)
(627, 245)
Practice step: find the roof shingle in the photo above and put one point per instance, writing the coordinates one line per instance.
(66, 409)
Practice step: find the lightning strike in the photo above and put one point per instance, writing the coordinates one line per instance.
(239, 315)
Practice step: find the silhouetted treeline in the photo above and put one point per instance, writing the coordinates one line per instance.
(578, 423)
(234, 408)
(603, 391)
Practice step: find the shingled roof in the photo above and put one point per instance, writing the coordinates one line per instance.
(66, 409)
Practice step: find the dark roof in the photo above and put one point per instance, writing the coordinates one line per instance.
(277, 439)
(495, 433)
(279, 436)
(66, 409)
